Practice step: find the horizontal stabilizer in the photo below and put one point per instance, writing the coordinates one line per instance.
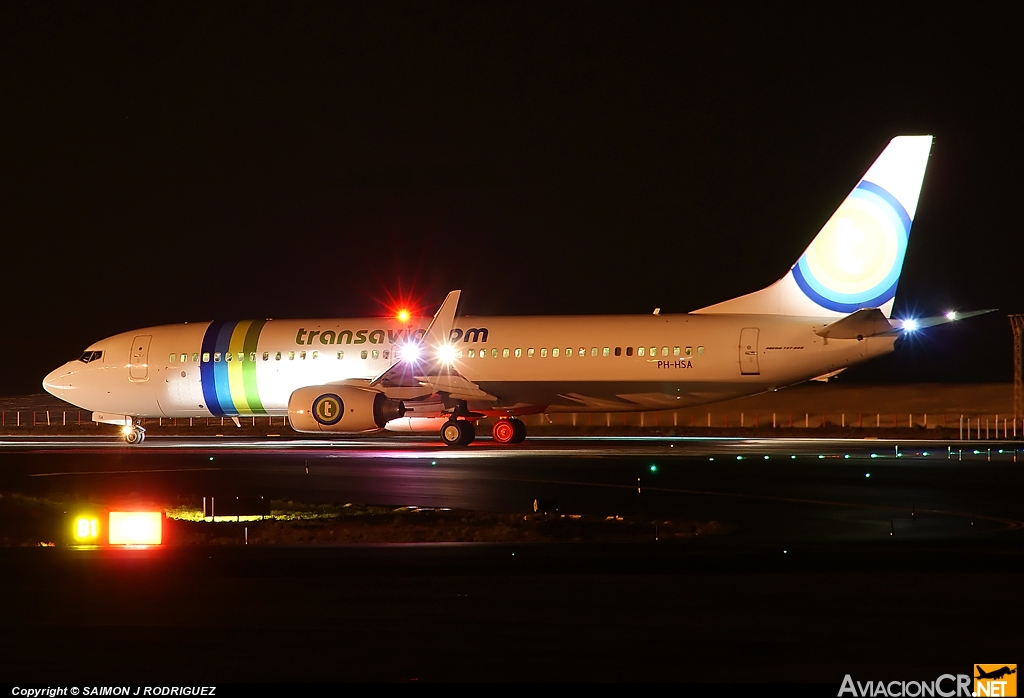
(867, 322)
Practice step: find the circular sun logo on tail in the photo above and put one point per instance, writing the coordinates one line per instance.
(855, 260)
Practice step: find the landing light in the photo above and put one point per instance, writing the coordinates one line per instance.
(126, 429)
(910, 325)
(446, 353)
(409, 352)
(951, 315)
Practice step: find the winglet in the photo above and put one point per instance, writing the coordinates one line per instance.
(440, 327)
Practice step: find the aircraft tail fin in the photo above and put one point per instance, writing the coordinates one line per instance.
(855, 260)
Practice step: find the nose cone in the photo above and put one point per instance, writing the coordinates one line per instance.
(58, 382)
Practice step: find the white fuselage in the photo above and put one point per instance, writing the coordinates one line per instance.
(523, 364)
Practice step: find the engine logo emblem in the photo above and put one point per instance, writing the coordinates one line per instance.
(328, 409)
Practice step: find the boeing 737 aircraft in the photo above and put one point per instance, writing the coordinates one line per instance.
(344, 376)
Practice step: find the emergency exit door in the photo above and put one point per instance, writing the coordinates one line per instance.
(138, 370)
(748, 352)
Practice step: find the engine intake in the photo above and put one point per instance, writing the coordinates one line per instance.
(341, 409)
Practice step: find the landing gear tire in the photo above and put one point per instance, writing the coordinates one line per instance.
(503, 431)
(458, 432)
(135, 437)
(520, 429)
(509, 430)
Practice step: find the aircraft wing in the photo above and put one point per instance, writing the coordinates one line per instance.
(428, 373)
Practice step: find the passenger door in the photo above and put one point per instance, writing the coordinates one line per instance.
(748, 352)
(138, 370)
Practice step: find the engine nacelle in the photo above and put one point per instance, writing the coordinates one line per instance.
(341, 409)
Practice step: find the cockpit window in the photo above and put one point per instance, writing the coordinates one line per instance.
(88, 356)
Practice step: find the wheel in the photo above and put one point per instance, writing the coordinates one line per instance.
(504, 431)
(457, 432)
(520, 431)
(468, 433)
(133, 437)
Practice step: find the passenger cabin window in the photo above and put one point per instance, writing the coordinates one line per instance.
(629, 351)
(266, 356)
(362, 354)
(195, 357)
(554, 353)
(291, 356)
(689, 351)
(618, 351)
(206, 357)
(568, 351)
(504, 353)
(277, 356)
(529, 353)
(593, 351)
(472, 353)
(543, 352)
(375, 354)
(494, 353)
(519, 353)
(675, 351)
(640, 351)
(184, 358)
(341, 355)
(216, 356)
(664, 351)
(700, 351)
(228, 356)
(315, 354)
(606, 352)
(387, 354)
(241, 356)
(302, 356)
(173, 358)
(583, 352)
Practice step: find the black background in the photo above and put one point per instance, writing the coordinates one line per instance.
(163, 162)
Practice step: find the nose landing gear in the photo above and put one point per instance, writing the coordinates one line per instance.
(134, 435)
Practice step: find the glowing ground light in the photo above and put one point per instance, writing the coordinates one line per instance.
(654, 468)
(867, 474)
(766, 457)
(86, 529)
(136, 528)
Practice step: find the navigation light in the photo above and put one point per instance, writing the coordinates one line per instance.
(403, 315)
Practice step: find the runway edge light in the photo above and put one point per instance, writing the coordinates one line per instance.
(135, 527)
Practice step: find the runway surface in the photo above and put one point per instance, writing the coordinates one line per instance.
(844, 557)
(771, 490)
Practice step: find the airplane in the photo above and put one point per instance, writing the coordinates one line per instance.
(994, 674)
(346, 376)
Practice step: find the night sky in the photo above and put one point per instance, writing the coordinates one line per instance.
(164, 162)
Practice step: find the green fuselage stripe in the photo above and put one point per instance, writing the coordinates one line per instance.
(252, 395)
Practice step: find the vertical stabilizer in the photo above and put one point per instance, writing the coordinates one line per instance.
(855, 260)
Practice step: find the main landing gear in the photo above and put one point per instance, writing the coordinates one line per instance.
(509, 430)
(458, 432)
(134, 434)
(461, 432)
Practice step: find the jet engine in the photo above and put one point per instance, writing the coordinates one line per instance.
(341, 409)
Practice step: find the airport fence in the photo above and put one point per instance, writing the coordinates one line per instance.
(964, 426)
